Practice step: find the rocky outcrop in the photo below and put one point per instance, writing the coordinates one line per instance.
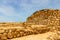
(45, 17)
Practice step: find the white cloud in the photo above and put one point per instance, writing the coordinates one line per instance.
(5, 19)
(34, 4)
(9, 14)
(9, 1)
(39, 1)
(6, 10)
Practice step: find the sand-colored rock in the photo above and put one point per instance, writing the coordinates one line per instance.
(45, 17)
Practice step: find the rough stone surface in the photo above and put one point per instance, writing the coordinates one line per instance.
(45, 17)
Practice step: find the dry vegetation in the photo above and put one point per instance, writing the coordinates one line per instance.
(40, 22)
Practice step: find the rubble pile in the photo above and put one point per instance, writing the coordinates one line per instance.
(16, 32)
(44, 17)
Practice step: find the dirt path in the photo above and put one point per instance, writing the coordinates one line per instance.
(34, 37)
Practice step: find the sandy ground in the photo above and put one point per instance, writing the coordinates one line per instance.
(34, 37)
(11, 27)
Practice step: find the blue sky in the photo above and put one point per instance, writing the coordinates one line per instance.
(19, 10)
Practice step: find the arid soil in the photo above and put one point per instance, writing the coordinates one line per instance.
(35, 37)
